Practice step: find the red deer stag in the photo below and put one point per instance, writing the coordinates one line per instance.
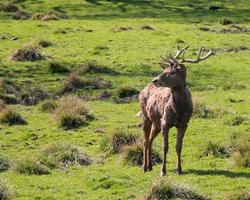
(167, 103)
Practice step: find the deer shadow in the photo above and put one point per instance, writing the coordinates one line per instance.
(229, 174)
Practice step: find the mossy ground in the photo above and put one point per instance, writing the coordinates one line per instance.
(134, 54)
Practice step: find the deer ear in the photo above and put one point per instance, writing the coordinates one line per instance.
(164, 65)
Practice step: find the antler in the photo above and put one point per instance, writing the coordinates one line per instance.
(198, 59)
(179, 51)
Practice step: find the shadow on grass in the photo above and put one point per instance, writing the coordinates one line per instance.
(226, 173)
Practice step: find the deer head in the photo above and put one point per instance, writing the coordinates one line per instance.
(174, 73)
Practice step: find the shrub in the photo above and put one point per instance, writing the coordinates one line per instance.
(243, 195)
(72, 112)
(240, 145)
(5, 191)
(133, 155)
(169, 190)
(127, 91)
(8, 7)
(11, 117)
(30, 167)
(55, 67)
(28, 53)
(9, 99)
(226, 21)
(33, 94)
(61, 155)
(4, 163)
(48, 106)
(215, 149)
(44, 43)
(119, 138)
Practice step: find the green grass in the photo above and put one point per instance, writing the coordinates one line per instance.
(90, 35)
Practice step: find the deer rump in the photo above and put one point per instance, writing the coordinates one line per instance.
(165, 106)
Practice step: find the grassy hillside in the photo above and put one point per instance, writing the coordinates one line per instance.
(111, 34)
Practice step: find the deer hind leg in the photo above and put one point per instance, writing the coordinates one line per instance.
(146, 128)
(165, 131)
(180, 136)
(154, 132)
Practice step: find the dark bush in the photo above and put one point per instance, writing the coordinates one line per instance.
(133, 155)
(4, 163)
(8, 7)
(55, 67)
(119, 138)
(28, 53)
(11, 117)
(33, 94)
(127, 91)
(30, 167)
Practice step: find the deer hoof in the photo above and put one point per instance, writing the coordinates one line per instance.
(179, 171)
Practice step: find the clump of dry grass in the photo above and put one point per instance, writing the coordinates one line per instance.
(8, 7)
(28, 53)
(200, 110)
(51, 15)
(127, 91)
(33, 94)
(72, 112)
(31, 167)
(62, 155)
(2, 105)
(91, 67)
(170, 190)
(119, 138)
(44, 43)
(148, 27)
(55, 67)
(239, 195)
(240, 147)
(11, 117)
(9, 91)
(6, 192)
(49, 106)
(133, 155)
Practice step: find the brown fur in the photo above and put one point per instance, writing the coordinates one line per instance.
(165, 103)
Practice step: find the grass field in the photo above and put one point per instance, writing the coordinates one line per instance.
(110, 33)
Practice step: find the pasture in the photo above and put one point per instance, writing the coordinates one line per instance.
(104, 52)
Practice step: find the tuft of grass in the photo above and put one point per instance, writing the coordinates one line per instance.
(8, 7)
(62, 155)
(215, 149)
(6, 192)
(72, 112)
(8, 86)
(226, 21)
(133, 155)
(170, 190)
(91, 67)
(119, 138)
(21, 14)
(33, 94)
(11, 117)
(200, 110)
(44, 43)
(55, 67)
(147, 27)
(75, 81)
(30, 167)
(240, 145)
(243, 195)
(48, 106)
(235, 121)
(28, 53)
(127, 91)
(4, 163)
(51, 15)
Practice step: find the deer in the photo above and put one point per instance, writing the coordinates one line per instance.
(165, 103)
